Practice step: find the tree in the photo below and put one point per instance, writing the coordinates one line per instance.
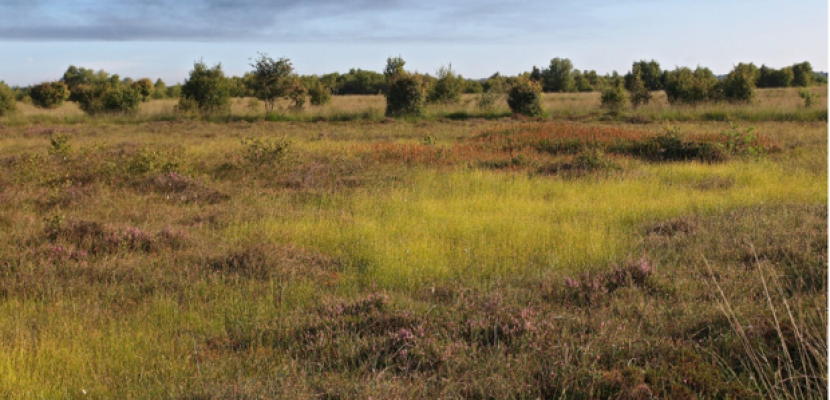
(145, 88)
(739, 85)
(49, 94)
(640, 94)
(160, 89)
(614, 97)
(8, 103)
(405, 95)
(559, 76)
(802, 74)
(206, 88)
(525, 97)
(686, 86)
(272, 79)
(447, 88)
(394, 67)
(649, 72)
(771, 77)
(319, 93)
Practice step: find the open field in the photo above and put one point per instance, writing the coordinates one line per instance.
(656, 253)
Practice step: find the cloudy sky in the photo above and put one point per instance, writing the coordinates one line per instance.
(39, 39)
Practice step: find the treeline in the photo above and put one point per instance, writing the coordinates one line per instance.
(98, 91)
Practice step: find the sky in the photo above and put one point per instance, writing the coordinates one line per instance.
(39, 39)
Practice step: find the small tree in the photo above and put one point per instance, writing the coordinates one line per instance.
(640, 94)
(394, 67)
(297, 94)
(614, 98)
(802, 74)
(145, 87)
(559, 76)
(8, 103)
(739, 85)
(159, 89)
(272, 80)
(207, 88)
(525, 97)
(126, 99)
(49, 94)
(405, 95)
(319, 94)
(447, 88)
(691, 87)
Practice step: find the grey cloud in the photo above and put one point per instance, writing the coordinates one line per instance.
(281, 20)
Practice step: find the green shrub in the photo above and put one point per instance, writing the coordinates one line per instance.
(690, 87)
(145, 87)
(123, 100)
(525, 97)
(297, 94)
(49, 94)
(159, 89)
(614, 98)
(558, 77)
(492, 95)
(261, 151)
(319, 94)
(808, 97)
(208, 88)
(8, 103)
(640, 94)
(405, 95)
(447, 88)
(739, 85)
(60, 145)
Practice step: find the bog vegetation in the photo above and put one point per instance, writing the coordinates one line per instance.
(657, 234)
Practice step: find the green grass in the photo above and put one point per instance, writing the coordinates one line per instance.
(333, 273)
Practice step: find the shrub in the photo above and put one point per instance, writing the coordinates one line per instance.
(802, 74)
(405, 95)
(447, 89)
(492, 95)
(739, 85)
(297, 94)
(100, 98)
(273, 80)
(261, 151)
(8, 104)
(122, 100)
(49, 94)
(159, 89)
(691, 87)
(145, 88)
(639, 92)
(649, 72)
(319, 94)
(558, 77)
(807, 96)
(208, 88)
(614, 98)
(525, 97)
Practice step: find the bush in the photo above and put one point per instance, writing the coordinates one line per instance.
(208, 88)
(691, 87)
(614, 98)
(447, 89)
(405, 95)
(319, 94)
(123, 100)
(8, 104)
(525, 97)
(145, 87)
(739, 85)
(49, 94)
(639, 92)
(261, 151)
(806, 95)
